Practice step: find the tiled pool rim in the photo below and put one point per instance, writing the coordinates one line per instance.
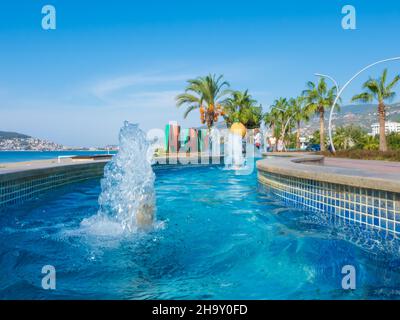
(355, 195)
(24, 182)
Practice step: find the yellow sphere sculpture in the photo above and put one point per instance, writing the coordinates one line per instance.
(238, 128)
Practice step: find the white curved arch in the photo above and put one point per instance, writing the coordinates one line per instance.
(343, 88)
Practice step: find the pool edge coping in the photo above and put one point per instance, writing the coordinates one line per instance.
(303, 166)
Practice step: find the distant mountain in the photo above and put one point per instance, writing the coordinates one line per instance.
(367, 108)
(363, 115)
(12, 135)
(18, 141)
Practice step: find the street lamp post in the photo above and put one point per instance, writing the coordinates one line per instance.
(332, 109)
(339, 93)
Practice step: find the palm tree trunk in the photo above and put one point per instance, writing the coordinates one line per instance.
(209, 117)
(322, 128)
(273, 136)
(382, 127)
(298, 135)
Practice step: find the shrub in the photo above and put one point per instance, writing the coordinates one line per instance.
(349, 137)
(392, 155)
(393, 140)
(354, 137)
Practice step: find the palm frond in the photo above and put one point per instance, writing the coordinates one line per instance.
(203, 91)
(384, 77)
(372, 85)
(187, 98)
(391, 85)
(363, 97)
(190, 109)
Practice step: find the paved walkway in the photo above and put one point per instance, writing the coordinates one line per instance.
(40, 164)
(378, 175)
(389, 167)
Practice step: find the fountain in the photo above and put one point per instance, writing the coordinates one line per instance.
(127, 199)
(233, 151)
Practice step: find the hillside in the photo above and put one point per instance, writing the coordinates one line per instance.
(363, 115)
(12, 135)
(13, 141)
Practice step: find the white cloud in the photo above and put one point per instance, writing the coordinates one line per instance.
(104, 88)
(150, 91)
(149, 99)
(154, 98)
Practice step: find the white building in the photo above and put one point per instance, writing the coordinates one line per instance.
(389, 127)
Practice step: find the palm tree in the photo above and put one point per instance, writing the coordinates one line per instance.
(318, 98)
(275, 117)
(284, 116)
(270, 120)
(378, 89)
(251, 117)
(300, 114)
(347, 137)
(240, 106)
(206, 94)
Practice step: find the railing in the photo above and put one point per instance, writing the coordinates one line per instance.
(60, 157)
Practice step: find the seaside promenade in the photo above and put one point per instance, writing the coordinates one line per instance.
(14, 167)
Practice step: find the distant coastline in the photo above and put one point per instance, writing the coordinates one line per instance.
(15, 141)
(62, 150)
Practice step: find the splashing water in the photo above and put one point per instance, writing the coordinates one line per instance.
(127, 199)
(234, 159)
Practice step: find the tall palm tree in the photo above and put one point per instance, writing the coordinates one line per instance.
(206, 94)
(377, 89)
(283, 114)
(270, 120)
(319, 98)
(240, 106)
(275, 117)
(300, 114)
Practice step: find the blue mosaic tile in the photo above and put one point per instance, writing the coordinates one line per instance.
(17, 190)
(376, 208)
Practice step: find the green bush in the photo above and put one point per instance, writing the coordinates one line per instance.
(349, 137)
(354, 137)
(315, 139)
(393, 140)
(393, 155)
(370, 143)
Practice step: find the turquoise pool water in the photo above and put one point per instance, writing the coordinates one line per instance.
(219, 236)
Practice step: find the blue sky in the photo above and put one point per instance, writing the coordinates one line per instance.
(110, 61)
